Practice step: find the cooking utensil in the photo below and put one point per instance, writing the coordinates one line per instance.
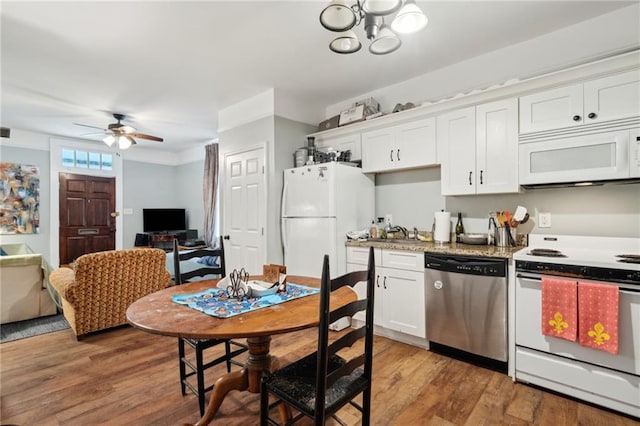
(519, 213)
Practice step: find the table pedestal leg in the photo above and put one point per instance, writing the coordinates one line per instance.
(258, 363)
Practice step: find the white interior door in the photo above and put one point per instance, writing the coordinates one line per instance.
(243, 203)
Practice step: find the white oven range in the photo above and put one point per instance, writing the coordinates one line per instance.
(612, 381)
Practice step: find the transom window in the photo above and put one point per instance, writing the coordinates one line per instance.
(80, 159)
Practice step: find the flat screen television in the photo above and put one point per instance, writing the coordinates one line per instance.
(161, 220)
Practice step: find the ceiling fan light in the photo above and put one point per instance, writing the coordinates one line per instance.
(124, 142)
(385, 42)
(126, 129)
(347, 42)
(381, 7)
(109, 140)
(410, 19)
(338, 16)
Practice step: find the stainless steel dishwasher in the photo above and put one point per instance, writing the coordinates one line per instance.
(467, 304)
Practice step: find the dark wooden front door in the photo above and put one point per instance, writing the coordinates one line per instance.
(86, 222)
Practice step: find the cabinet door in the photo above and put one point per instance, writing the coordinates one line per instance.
(403, 301)
(551, 109)
(378, 153)
(342, 143)
(360, 256)
(497, 147)
(416, 143)
(613, 97)
(457, 149)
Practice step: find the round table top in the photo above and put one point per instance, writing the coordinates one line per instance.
(157, 313)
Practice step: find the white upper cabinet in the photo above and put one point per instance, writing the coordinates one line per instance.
(479, 149)
(497, 147)
(403, 146)
(613, 97)
(350, 142)
(608, 98)
(457, 151)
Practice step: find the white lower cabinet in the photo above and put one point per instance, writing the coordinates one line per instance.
(400, 303)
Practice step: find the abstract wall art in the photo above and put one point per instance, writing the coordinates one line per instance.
(19, 199)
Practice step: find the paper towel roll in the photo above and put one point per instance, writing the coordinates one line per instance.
(442, 232)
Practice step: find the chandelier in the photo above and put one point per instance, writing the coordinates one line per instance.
(341, 18)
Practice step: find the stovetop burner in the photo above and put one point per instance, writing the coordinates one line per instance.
(546, 253)
(629, 258)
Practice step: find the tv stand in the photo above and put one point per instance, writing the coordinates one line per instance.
(164, 239)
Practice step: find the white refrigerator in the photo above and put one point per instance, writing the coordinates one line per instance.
(320, 204)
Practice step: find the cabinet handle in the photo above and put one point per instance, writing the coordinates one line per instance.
(470, 178)
(398, 154)
(480, 177)
(576, 118)
(592, 115)
(391, 155)
(384, 283)
(226, 237)
(378, 281)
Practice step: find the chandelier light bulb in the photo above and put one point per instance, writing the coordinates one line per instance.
(410, 19)
(381, 7)
(385, 42)
(346, 42)
(338, 16)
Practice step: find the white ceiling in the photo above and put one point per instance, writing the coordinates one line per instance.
(171, 66)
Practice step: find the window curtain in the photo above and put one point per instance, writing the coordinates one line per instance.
(210, 194)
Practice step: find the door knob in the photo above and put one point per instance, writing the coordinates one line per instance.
(115, 214)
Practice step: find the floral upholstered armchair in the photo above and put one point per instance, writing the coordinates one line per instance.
(98, 290)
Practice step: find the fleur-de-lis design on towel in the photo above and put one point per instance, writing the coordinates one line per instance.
(598, 334)
(558, 323)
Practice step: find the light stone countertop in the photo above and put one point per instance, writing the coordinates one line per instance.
(442, 248)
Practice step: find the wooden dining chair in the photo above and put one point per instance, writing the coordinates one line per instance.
(213, 264)
(321, 383)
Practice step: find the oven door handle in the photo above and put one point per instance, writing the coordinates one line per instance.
(528, 277)
(622, 287)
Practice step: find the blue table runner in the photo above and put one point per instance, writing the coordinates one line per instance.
(216, 302)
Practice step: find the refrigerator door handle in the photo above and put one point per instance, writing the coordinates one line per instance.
(283, 234)
(284, 199)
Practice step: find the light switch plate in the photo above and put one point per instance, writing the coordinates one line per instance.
(127, 211)
(544, 220)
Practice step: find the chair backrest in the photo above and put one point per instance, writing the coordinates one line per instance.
(326, 350)
(209, 256)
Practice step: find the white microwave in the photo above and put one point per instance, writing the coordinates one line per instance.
(581, 158)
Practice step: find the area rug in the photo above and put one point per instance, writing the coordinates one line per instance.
(32, 327)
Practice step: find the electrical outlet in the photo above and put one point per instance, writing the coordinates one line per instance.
(388, 219)
(544, 220)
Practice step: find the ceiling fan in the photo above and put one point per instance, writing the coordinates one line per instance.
(121, 133)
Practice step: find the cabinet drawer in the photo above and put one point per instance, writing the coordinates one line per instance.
(399, 259)
(360, 255)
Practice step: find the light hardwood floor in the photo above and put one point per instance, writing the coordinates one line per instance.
(128, 377)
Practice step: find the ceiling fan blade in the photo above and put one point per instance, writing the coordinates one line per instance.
(92, 134)
(93, 127)
(148, 137)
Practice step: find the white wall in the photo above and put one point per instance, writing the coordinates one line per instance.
(413, 196)
(589, 40)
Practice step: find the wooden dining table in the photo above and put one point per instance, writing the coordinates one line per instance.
(157, 313)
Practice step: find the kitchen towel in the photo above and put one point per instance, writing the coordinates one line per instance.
(598, 307)
(559, 308)
(442, 230)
